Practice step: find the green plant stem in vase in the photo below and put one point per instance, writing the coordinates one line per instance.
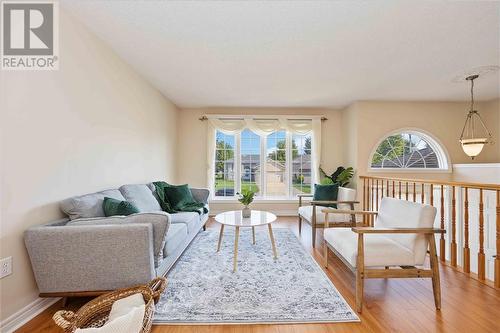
(246, 198)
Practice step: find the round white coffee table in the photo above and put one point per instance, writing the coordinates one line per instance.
(235, 219)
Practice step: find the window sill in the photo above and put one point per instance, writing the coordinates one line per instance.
(259, 201)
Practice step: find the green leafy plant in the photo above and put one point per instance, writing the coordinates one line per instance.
(246, 197)
(341, 176)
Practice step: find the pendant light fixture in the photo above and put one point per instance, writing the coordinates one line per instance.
(471, 139)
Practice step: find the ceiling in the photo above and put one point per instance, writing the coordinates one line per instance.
(301, 54)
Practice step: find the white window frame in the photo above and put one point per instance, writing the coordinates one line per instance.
(262, 181)
(436, 145)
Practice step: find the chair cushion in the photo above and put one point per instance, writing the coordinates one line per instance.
(176, 235)
(395, 213)
(88, 205)
(190, 219)
(306, 213)
(346, 194)
(379, 250)
(141, 196)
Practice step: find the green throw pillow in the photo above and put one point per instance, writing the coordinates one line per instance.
(113, 207)
(178, 195)
(326, 193)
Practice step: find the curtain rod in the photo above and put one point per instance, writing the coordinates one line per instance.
(203, 118)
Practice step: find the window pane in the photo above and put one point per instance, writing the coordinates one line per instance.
(405, 150)
(276, 183)
(250, 161)
(301, 164)
(224, 165)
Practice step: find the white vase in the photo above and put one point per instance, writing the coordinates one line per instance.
(246, 212)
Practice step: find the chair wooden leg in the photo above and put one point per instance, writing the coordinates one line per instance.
(313, 236)
(313, 226)
(325, 253)
(360, 267)
(325, 244)
(436, 284)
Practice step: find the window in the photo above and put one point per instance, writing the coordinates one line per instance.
(250, 161)
(301, 164)
(276, 179)
(277, 165)
(409, 150)
(224, 165)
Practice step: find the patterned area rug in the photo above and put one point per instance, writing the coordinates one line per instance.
(202, 289)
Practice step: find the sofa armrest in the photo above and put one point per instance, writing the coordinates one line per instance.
(159, 220)
(200, 194)
(90, 257)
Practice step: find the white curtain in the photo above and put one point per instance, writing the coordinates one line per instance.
(210, 156)
(316, 149)
(264, 127)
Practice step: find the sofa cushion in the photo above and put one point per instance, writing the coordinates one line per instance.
(114, 207)
(378, 249)
(88, 205)
(141, 196)
(178, 195)
(176, 235)
(190, 219)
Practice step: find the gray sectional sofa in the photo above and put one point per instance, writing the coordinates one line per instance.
(88, 253)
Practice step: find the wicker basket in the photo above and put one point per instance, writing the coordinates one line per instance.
(95, 313)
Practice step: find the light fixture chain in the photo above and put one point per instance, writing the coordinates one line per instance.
(472, 94)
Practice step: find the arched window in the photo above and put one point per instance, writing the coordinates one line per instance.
(409, 149)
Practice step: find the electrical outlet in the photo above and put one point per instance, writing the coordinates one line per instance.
(5, 267)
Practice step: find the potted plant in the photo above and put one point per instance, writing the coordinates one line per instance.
(341, 176)
(246, 198)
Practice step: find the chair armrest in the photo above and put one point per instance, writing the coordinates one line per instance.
(300, 196)
(371, 230)
(346, 211)
(325, 202)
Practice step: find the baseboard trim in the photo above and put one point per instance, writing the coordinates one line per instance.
(30, 311)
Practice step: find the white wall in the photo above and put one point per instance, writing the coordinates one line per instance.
(92, 125)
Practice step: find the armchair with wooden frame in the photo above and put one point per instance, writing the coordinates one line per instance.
(311, 213)
(390, 246)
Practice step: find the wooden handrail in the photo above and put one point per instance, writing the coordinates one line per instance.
(452, 199)
(438, 182)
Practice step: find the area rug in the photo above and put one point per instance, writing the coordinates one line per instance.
(202, 288)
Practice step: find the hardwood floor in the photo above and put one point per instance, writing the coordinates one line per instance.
(392, 305)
